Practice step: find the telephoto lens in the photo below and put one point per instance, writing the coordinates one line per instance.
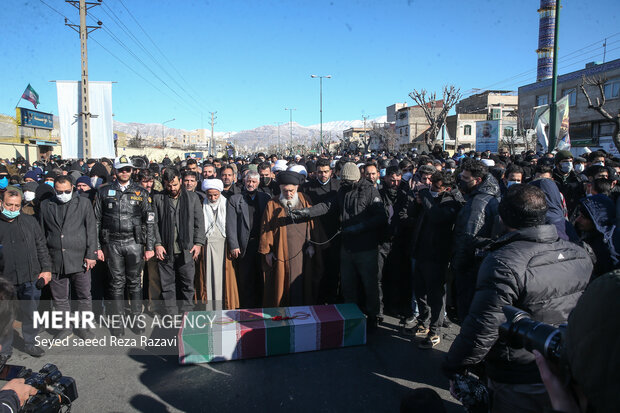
(520, 331)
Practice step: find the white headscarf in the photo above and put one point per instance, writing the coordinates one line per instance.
(215, 215)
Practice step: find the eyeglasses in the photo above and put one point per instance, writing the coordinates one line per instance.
(68, 191)
(125, 170)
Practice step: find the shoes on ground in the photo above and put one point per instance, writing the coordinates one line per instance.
(430, 341)
(33, 350)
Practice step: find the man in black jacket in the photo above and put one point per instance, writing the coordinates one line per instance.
(529, 268)
(473, 228)
(25, 261)
(569, 183)
(243, 220)
(436, 211)
(179, 237)
(70, 231)
(324, 188)
(125, 221)
(361, 218)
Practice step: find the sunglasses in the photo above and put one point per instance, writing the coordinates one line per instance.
(125, 170)
(68, 191)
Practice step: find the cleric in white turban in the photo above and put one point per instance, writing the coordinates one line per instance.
(214, 209)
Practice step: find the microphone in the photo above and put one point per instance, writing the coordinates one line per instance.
(289, 206)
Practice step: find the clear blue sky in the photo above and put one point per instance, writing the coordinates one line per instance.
(248, 60)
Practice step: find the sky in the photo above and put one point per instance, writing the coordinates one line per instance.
(249, 60)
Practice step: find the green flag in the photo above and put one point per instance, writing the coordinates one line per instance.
(31, 96)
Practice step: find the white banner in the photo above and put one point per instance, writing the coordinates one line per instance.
(68, 109)
(101, 124)
(101, 127)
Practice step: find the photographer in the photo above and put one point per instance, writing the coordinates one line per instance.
(15, 393)
(531, 268)
(593, 362)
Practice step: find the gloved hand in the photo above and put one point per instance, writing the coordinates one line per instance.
(353, 229)
(300, 213)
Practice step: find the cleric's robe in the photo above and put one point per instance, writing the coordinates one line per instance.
(294, 276)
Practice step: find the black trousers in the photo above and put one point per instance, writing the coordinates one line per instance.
(78, 284)
(430, 290)
(465, 283)
(249, 277)
(329, 288)
(176, 274)
(125, 260)
(396, 287)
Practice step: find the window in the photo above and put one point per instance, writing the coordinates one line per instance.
(612, 89)
(542, 100)
(508, 131)
(496, 114)
(467, 130)
(572, 96)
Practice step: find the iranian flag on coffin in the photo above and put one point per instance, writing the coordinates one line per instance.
(209, 336)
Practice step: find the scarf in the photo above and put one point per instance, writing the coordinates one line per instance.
(215, 216)
(169, 222)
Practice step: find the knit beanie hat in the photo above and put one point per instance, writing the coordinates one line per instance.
(350, 172)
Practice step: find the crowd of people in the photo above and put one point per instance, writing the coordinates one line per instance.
(413, 235)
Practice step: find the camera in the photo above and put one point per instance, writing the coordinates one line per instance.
(55, 391)
(520, 331)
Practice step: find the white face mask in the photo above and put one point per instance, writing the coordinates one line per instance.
(566, 167)
(450, 171)
(28, 196)
(579, 168)
(64, 198)
(599, 163)
(510, 183)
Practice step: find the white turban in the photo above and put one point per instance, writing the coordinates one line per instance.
(279, 166)
(299, 169)
(488, 162)
(212, 184)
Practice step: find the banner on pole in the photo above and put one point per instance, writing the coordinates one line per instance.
(101, 123)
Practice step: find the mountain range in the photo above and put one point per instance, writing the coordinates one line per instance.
(260, 137)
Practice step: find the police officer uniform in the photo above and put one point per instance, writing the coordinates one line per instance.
(125, 221)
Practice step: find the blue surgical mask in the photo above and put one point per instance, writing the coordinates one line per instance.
(579, 167)
(598, 164)
(10, 214)
(434, 194)
(407, 176)
(50, 183)
(510, 183)
(4, 182)
(382, 172)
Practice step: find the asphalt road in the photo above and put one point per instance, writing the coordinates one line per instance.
(369, 378)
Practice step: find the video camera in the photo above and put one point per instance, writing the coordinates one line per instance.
(55, 391)
(520, 331)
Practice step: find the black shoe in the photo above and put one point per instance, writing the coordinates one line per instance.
(63, 334)
(408, 322)
(34, 351)
(117, 332)
(85, 333)
(446, 324)
(3, 359)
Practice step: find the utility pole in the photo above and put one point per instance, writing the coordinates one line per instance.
(604, 50)
(213, 117)
(278, 123)
(83, 31)
(365, 134)
(291, 124)
(553, 108)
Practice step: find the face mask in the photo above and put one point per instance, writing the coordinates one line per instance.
(407, 176)
(434, 194)
(4, 182)
(378, 181)
(265, 181)
(579, 168)
(28, 196)
(10, 214)
(64, 198)
(510, 183)
(450, 171)
(464, 187)
(382, 172)
(478, 158)
(599, 163)
(566, 167)
(50, 183)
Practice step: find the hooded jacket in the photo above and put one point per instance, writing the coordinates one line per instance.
(530, 269)
(474, 223)
(556, 209)
(605, 241)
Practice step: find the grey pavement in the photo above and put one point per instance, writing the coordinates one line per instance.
(369, 378)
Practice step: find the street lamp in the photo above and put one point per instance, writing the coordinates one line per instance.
(321, 100)
(291, 123)
(163, 139)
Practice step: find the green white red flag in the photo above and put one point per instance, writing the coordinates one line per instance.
(31, 96)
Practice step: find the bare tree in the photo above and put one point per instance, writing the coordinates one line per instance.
(599, 83)
(386, 137)
(525, 124)
(434, 115)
